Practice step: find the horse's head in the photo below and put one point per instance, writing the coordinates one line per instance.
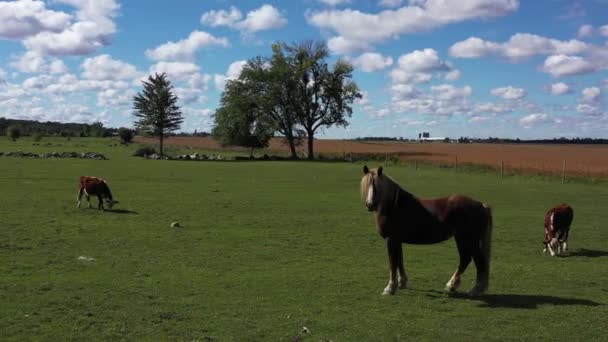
(370, 187)
(110, 202)
(556, 232)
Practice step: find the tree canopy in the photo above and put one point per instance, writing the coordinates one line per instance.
(293, 93)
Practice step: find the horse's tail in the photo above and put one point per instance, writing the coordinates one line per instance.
(486, 238)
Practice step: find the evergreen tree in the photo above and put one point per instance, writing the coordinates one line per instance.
(156, 108)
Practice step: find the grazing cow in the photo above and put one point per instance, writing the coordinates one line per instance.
(557, 228)
(93, 186)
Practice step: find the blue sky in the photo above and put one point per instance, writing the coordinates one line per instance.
(477, 68)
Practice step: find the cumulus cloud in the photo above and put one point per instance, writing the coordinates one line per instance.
(25, 18)
(519, 47)
(585, 31)
(534, 119)
(509, 93)
(233, 72)
(444, 100)
(335, 2)
(366, 28)
(372, 61)
(266, 17)
(563, 65)
(115, 97)
(559, 88)
(177, 70)
(33, 62)
(103, 67)
(90, 32)
(418, 66)
(185, 49)
(591, 94)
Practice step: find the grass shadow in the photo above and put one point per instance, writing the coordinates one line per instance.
(122, 211)
(589, 253)
(517, 301)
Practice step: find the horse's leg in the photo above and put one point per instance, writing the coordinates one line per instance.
(100, 204)
(464, 250)
(483, 272)
(393, 246)
(402, 275)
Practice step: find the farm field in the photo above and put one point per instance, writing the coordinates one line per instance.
(270, 248)
(581, 160)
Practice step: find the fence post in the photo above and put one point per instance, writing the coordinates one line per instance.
(502, 168)
(386, 158)
(416, 164)
(456, 162)
(563, 171)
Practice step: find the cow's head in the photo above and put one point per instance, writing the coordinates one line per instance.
(110, 202)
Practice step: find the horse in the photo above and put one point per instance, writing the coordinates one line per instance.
(403, 218)
(557, 228)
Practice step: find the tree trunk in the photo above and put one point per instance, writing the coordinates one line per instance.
(311, 145)
(161, 145)
(292, 147)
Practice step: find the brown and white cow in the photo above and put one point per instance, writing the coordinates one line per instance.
(557, 228)
(94, 186)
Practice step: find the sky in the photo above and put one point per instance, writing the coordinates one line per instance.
(476, 68)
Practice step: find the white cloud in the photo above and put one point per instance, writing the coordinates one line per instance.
(603, 30)
(25, 18)
(177, 70)
(263, 18)
(493, 108)
(591, 94)
(185, 49)
(418, 67)
(536, 118)
(509, 93)
(341, 45)
(559, 88)
(335, 2)
(115, 97)
(450, 92)
(103, 67)
(33, 62)
(92, 30)
(519, 47)
(562, 65)
(371, 61)
(453, 75)
(365, 28)
(233, 72)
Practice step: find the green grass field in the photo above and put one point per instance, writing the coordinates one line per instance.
(268, 248)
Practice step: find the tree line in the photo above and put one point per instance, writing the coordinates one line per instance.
(51, 128)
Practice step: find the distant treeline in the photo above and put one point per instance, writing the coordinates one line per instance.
(50, 128)
(61, 129)
(562, 140)
(382, 139)
(491, 140)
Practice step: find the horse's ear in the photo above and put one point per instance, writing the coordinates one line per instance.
(365, 169)
(379, 172)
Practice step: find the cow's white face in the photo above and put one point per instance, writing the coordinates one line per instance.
(110, 203)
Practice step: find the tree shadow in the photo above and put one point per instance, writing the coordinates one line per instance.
(122, 211)
(589, 253)
(516, 301)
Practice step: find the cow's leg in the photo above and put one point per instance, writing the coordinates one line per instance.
(100, 204)
(78, 198)
(393, 247)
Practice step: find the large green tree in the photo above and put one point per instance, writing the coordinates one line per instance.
(296, 91)
(156, 108)
(239, 121)
(322, 96)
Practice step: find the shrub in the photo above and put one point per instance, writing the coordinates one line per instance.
(126, 135)
(144, 151)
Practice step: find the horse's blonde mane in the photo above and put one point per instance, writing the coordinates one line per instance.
(386, 185)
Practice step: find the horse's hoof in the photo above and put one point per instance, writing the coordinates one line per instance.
(403, 286)
(476, 292)
(389, 291)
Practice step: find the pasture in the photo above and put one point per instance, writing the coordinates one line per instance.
(268, 248)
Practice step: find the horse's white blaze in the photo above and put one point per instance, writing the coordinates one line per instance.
(551, 222)
(370, 195)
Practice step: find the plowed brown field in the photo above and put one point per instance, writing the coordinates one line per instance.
(582, 160)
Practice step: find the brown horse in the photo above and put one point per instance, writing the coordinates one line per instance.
(403, 218)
